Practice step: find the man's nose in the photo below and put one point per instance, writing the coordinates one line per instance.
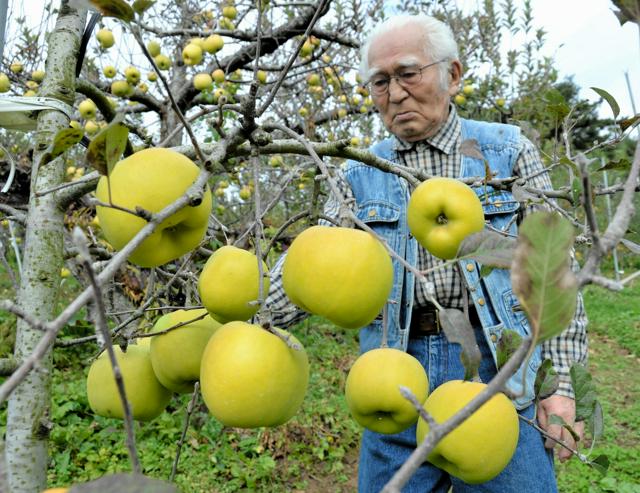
(396, 92)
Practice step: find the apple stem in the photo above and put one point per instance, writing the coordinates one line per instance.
(442, 219)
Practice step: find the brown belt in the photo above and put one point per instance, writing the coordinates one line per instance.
(424, 322)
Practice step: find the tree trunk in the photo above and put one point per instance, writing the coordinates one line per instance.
(28, 408)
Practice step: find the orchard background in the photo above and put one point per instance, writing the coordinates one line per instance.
(252, 135)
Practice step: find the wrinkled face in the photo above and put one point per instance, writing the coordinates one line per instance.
(416, 112)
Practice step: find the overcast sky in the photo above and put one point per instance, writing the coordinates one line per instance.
(584, 37)
(587, 41)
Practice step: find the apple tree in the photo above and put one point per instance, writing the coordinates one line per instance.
(264, 98)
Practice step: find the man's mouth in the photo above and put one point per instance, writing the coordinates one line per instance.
(404, 116)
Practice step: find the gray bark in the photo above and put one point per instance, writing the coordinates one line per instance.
(28, 407)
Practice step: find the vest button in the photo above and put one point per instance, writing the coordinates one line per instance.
(481, 301)
(498, 204)
(372, 212)
(470, 267)
(494, 338)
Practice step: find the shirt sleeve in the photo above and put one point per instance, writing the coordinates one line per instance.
(570, 346)
(283, 312)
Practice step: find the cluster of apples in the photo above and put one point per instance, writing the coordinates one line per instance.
(37, 76)
(249, 377)
(346, 275)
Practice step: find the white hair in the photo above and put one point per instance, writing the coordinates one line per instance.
(439, 41)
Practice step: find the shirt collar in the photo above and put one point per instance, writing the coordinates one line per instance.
(444, 139)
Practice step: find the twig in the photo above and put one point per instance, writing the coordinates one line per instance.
(583, 458)
(101, 325)
(438, 431)
(190, 407)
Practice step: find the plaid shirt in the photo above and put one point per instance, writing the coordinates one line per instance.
(440, 155)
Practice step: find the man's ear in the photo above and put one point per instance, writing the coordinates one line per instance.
(454, 77)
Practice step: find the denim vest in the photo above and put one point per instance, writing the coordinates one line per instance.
(382, 199)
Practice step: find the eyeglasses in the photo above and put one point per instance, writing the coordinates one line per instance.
(406, 78)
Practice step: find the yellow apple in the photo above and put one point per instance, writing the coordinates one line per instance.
(213, 43)
(218, 94)
(224, 23)
(197, 41)
(202, 82)
(230, 12)
(132, 75)
(229, 283)
(192, 54)
(500, 102)
(307, 48)
(262, 76)
(75, 124)
(179, 374)
(162, 61)
(56, 490)
(30, 93)
(87, 109)
(147, 397)
(372, 389)
(468, 89)
(109, 71)
(16, 67)
(31, 84)
(91, 127)
(245, 193)
(38, 75)
(153, 179)
(251, 378)
(218, 76)
(441, 213)
(482, 446)
(313, 80)
(459, 99)
(153, 47)
(152, 77)
(342, 274)
(121, 88)
(5, 83)
(105, 38)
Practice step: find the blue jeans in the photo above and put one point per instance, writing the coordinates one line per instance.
(530, 470)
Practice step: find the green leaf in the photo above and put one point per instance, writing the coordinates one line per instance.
(508, 344)
(139, 6)
(620, 164)
(596, 423)
(631, 246)
(114, 8)
(125, 483)
(600, 464)
(541, 274)
(458, 329)
(62, 141)
(556, 104)
(585, 392)
(107, 147)
(554, 419)
(485, 270)
(547, 380)
(613, 104)
(629, 122)
(576, 190)
(488, 247)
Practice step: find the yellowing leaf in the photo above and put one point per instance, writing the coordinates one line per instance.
(541, 275)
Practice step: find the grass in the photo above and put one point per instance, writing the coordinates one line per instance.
(614, 356)
(316, 446)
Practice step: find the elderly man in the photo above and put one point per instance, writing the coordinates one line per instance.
(412, 68)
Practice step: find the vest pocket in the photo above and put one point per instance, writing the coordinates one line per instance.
(372, 211)
(499, 208)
